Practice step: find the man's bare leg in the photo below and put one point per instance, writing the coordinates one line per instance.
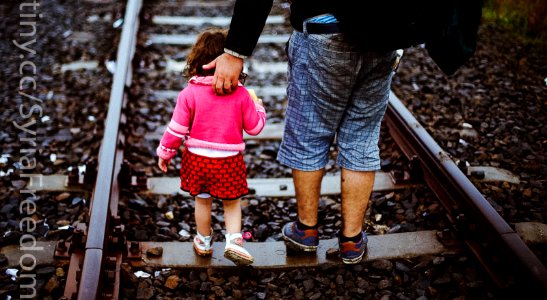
(307, 185)
(356, 191)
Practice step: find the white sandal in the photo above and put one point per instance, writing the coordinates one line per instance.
(203, 244)
(234, 250)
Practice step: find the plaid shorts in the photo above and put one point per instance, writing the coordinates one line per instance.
(336, 94)
(221, 177)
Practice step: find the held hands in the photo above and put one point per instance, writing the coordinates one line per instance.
(163, 164)
(227, 70)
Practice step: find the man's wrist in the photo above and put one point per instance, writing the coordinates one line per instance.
(234, 54)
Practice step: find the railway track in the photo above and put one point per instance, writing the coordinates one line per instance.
(100, 249)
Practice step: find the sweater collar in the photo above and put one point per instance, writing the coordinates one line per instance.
(205, 80)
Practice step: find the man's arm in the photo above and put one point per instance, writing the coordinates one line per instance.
(247, 23)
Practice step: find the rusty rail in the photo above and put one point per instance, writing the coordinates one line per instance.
(497, 247)
(105, 191)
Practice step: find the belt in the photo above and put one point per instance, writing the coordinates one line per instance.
(322, 28)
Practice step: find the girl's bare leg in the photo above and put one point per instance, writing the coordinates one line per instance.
(234, 249)
(232, 215)
(202, 214)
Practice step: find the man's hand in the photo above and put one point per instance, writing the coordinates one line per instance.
(163, 163)
(227, 72)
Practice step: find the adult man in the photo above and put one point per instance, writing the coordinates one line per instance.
(338, 89)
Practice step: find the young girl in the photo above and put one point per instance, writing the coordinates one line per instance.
(212, 163)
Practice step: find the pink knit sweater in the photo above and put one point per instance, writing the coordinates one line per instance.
(207, 120)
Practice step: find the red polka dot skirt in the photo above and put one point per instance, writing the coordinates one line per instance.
(221, 177)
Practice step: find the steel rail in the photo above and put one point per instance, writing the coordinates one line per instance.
(498, 248)
(100, 203)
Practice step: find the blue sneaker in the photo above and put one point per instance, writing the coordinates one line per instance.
(303, 240)
(351, 252)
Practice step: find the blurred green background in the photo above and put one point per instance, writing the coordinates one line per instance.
(525, 17)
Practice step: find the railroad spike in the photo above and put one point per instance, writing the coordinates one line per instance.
(124, 177)
(61, 249)
(111, 261)
(129, 177)
(90, 174)
(110, 275)
(61, 246)
(399, 176)
(134, 250)
(107, 296)
(116, 220)
(415, 165)
(448, 238)
(75, 175)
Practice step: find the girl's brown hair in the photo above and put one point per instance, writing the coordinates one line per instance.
(209, 45)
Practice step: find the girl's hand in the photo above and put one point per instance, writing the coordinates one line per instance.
(163, 163)
(255, 98)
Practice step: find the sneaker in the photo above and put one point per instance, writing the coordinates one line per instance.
(351, 252)
(203, 244)
(304, 240)
(234, 250)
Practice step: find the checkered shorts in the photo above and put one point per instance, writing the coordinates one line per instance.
(336, 94)
(221, 177)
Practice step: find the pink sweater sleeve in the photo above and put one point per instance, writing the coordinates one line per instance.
(177, 129)
(254, 117)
